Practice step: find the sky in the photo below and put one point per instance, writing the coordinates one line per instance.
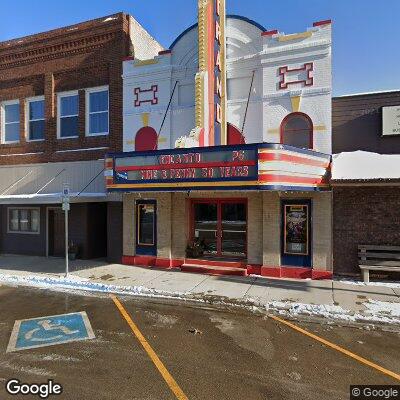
(366, 33)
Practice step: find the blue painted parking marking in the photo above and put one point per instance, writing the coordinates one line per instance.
(49, 331)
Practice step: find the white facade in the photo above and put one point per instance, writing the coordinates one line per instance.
(302, 61)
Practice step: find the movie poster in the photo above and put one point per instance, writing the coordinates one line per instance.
(296, 229)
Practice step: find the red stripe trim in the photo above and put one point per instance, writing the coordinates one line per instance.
(289, 179)
(294, 159)
(324, 22)
(269, 33)
(180, 166)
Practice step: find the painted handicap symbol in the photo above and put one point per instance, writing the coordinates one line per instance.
(48, 326)
(50, 330)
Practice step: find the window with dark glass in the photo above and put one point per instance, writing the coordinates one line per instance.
(146, 216)
(10, 125)
(36, 120)
(23, 220)
(68, 115)
(97, 116)
(297, 131)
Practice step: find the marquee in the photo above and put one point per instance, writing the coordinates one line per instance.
(260, 166)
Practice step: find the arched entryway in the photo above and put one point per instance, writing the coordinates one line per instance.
(297, 130)
(146, 139)
(234, 135)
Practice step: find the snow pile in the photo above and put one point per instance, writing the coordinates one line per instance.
(347, 281)
(377, 311)
(77, 283)
(365, 165)
(383, 307)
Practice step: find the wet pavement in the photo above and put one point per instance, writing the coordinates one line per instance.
(211, 353)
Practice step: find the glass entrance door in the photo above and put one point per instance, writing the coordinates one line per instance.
(206, 226)
(221, 227)
(233, 229)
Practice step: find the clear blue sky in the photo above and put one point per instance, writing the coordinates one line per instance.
(366, 54)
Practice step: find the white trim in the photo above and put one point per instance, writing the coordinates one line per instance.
(89, 149)
(87, 109)
(27, 120)
(20, 154)
(3, 121)
(59, 96)
(367, 93)
(22, 232)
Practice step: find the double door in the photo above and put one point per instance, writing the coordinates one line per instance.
(221, 227)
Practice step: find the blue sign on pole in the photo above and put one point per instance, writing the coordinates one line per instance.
(49, 331)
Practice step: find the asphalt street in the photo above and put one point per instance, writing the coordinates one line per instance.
(211, 353)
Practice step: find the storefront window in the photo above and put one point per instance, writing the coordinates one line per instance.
(23, 220)
(146, 216)
(296, 235)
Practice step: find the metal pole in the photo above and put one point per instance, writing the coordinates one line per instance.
(166, 113)
(66, 241)
(247, 104)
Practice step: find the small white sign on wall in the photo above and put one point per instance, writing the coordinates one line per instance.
(391, 120)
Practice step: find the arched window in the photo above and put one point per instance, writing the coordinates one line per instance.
(234, 135)
(297, 130)
(146, 139)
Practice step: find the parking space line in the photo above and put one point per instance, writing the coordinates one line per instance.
(151, 353)
(338, 348)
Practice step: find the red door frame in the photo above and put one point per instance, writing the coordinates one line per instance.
(219, 203)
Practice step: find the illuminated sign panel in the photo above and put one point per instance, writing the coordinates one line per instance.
(192, 165)
(258, 166)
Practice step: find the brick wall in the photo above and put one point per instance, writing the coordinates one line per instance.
(82, 56)
(363, 215)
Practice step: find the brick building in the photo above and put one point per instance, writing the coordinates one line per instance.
(366, 175)
(61, 103)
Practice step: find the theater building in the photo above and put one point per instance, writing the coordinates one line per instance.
(60, 112)
(227, 150)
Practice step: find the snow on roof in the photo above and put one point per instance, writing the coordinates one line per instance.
(367, 93)
(363, 165)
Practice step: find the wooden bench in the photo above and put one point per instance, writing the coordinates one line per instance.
(378, 258)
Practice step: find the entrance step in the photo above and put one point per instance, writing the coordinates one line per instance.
(213, 269)
(217, 263)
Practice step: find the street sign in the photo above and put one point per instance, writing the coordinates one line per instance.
(66, 206)
(65, 190)
(49, 331)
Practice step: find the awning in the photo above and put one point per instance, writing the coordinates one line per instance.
(43, 183)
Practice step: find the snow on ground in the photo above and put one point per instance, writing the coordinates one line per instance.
(77, 283)
(375, 311)
(365, 165)
(383, 307)
(395, 285)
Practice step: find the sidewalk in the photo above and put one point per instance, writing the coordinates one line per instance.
(339, 300)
